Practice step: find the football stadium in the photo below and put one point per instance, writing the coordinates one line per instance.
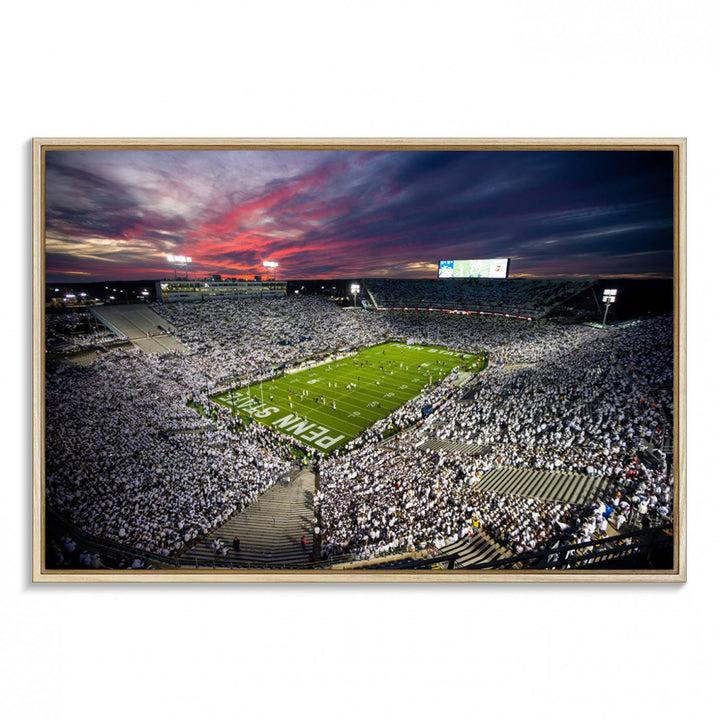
(475, 424)
(346, 361)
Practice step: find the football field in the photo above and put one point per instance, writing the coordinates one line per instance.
(328, 405)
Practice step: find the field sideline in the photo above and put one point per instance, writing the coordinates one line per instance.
(329, 405)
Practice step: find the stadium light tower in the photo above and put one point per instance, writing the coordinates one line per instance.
(180, 261)
(609, 297)
(354, 289)
(272, 266)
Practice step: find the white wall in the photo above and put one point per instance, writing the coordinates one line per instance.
(404, 69)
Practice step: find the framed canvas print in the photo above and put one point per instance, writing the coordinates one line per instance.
(359, 360)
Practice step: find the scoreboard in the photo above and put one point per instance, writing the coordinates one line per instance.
(493, 268)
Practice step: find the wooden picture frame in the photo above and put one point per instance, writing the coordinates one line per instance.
(358, 572)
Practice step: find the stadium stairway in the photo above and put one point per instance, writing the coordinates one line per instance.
(269, 530)
(458, 447)
(463, 378)
(563, 487)
(468, 554)
(143, 327)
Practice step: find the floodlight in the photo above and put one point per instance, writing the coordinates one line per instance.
(270, 264)
(354, 289)
(180, 260)
(609, 297)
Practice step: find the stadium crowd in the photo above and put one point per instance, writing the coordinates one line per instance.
(376, 501)
(129, 457)
(128, 461)
(513, 296)
(585, 412)
(70, 332)
(66, 553)
(248, 338)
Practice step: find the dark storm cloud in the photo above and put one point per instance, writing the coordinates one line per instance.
(361, 213)
(87, 204)
(507, 203)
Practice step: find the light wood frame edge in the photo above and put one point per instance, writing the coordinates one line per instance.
(677, 145)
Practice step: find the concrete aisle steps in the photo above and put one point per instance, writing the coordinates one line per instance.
(480, 550)
(269, 530)
(557, 486)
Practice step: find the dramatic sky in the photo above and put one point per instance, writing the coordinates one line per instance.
(116, 215)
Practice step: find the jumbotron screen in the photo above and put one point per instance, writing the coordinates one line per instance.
(494, 268)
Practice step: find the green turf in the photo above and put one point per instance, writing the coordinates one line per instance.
(376, 395)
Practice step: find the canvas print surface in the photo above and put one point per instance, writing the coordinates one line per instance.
(352, 361)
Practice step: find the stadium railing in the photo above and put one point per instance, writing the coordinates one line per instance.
(592, 554)
(101, 545)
